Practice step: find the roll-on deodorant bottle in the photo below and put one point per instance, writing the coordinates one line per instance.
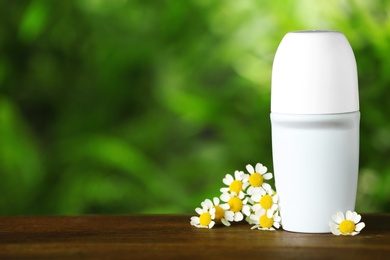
(315, 128)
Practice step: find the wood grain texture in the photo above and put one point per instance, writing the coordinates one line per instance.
(172, 237)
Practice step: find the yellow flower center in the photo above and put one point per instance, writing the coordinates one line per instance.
(219, 213)
(236, 186)
(205, 219)
(235, 204)
(266, 201)
(266, 222)
(347, 226)
(256, 179)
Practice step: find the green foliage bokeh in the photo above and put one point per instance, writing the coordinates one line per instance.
(126, 106)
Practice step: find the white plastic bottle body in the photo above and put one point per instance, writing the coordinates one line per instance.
(316, 160)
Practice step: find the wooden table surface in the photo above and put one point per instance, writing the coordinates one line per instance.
(172, 236)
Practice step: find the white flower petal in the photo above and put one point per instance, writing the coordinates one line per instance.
(276, 225)
(267, 176)
(266, 186)
(256, 197)
(338, 217)
(250, 168)
(216, 201)
(256, 207)
(270, 214)
(250, 190)
(333, 225)
(256, 190)
(255, 226)
(335, 231)
(233, 194)
(195, 220)
(238, 216)
(360, 226)
(275, 207)
(251, 202)
(259, 168)
(348, 215)
(199, 211)
(212, 223)
(228, 179)
(237, 175)
(250, 221)
(224, 206)
(229, 215)
(259, 190)
(200, 226)
(225, 197)
(356, 218)
(207, 204)
(225, 222)
(246, 210)
(224, 189)
(260, 212)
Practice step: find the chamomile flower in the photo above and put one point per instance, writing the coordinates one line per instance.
(346, 226)
(267, 200)
(266, 220)
(235, 184)
(206, 216)
(237, 203)
(222, 212)
(256, 178)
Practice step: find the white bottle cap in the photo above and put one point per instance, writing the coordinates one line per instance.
(314, 72)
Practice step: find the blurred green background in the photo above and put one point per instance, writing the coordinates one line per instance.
(126, 106)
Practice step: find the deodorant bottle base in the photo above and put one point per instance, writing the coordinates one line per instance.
(316, 165)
